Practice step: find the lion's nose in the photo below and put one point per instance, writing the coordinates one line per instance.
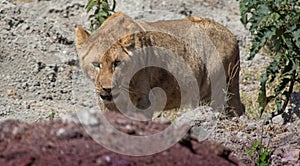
(107, 90)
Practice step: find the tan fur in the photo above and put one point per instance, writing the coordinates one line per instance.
(119, 35)
(81, 37)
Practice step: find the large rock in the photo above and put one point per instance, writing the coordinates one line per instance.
(66, 143)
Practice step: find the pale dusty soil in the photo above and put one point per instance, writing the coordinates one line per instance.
(39, 73)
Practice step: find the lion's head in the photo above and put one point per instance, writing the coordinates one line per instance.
(105, 68)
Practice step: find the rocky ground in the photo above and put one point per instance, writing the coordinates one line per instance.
(61, 143)
(40, 78)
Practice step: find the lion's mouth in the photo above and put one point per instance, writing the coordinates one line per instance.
(108, 98)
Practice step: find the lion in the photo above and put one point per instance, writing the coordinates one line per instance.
(206, 46)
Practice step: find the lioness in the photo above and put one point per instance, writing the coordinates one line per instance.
(202, 43)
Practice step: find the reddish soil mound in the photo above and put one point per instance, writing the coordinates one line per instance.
(42, 144)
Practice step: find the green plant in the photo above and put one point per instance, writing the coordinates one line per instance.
(102, 10)
(264, 153)
(275, 24)
(51, 116)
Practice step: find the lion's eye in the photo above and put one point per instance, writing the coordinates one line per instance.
(117, 63)
(96, 64)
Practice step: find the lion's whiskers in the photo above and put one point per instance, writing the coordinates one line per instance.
(122, 87)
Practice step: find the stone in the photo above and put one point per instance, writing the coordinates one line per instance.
(278, 120)
(11, 92)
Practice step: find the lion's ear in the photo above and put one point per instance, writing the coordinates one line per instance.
(81, 37)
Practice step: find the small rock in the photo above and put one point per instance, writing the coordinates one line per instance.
(291, 156)
(24, 85)
(107, 159)
(3, 113)
(61, 69)
(25, 104)
(251, 127)
(11, 92)
(240, 135)
(37, 83)
(60, 132)
(99, 161)
(48, 97)
(36, 68)
(235, 119)
(31, 89)
(121, 121)
(25, 27)
(278, 120)
(129, 129)
(162, 120)
(199, 133)
(70, 117)
(53, 85)
(87, 104)
(87, 118)
(73, 102)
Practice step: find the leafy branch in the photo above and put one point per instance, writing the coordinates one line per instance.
(275, 25)
(102, 10)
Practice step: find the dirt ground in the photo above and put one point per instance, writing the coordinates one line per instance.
(40, 80)
(59, 143)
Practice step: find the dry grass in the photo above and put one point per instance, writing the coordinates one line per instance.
(249, 88)
(170, 114)
(251, 104)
